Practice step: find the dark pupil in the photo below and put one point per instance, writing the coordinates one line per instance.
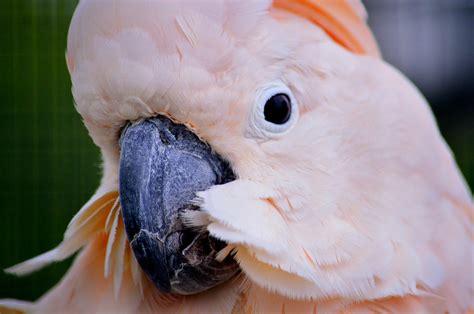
(278, 109)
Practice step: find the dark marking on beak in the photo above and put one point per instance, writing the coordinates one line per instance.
(162, 166)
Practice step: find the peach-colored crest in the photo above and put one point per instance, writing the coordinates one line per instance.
(341, 19)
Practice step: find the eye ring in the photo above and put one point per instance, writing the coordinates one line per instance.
(265, 124)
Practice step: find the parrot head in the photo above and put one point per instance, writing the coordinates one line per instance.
(243, 135)
(181, 98)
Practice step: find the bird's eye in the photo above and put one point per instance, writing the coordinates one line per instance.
(277, 109)
(274, 113)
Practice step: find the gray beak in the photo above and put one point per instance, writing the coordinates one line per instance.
(162, 166)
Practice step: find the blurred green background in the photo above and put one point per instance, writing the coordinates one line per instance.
(49, 166)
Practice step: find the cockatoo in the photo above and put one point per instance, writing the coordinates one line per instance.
(258, 157)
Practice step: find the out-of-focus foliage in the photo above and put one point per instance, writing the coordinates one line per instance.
(49, 166)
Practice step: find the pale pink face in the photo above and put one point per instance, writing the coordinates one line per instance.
(351, 173)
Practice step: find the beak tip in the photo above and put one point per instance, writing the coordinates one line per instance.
(145, 245)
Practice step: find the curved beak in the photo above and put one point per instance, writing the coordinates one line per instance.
(162, 166)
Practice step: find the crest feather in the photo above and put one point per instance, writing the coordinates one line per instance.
(343, 20)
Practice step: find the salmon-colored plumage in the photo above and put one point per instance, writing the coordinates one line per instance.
(355, 205)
